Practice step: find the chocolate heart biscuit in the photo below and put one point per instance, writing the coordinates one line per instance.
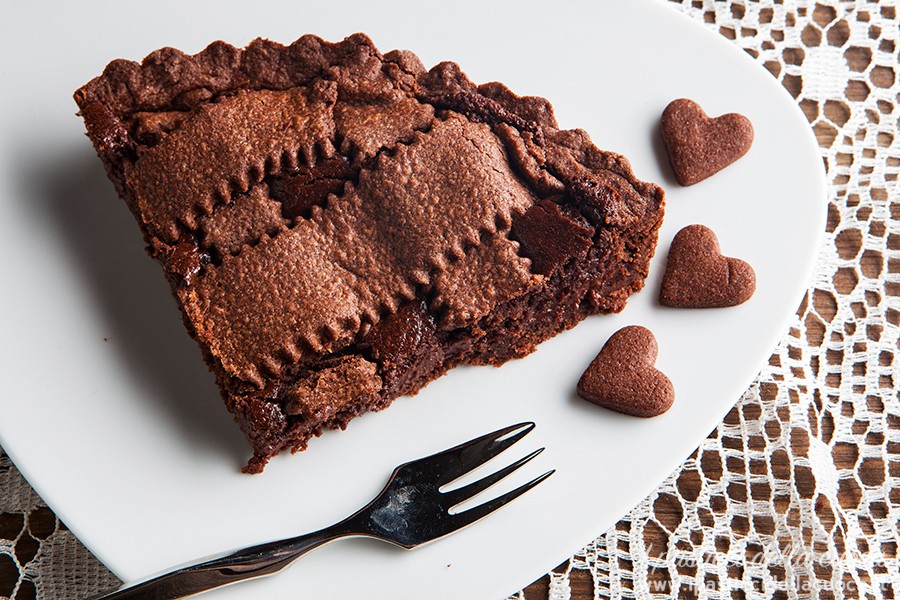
(700, 146)
(622, 376)
(698, 276)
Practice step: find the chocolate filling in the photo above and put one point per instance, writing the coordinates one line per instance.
(303, 187)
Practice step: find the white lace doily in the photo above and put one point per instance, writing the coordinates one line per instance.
(797, 493)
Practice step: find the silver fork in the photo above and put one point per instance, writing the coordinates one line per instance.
(410, 511)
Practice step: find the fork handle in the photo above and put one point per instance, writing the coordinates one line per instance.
(247, 563)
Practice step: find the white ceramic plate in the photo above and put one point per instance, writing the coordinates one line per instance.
(110, 413)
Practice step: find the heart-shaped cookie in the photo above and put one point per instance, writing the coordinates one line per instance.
(698, 276)
(622, 377)
(700, 146)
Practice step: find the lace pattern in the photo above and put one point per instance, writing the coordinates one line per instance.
(797, 493)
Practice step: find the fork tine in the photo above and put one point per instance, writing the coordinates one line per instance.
(465, 492)
(451, 464)
(467, 517)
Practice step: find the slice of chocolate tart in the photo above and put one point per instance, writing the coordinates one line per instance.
(340, 227)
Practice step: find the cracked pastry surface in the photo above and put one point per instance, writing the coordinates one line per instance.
(341, 227)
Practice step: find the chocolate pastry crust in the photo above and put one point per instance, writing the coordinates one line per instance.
(341, 227)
